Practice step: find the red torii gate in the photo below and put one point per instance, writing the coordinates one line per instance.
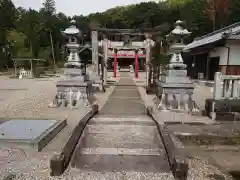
(136, 56)
(103, 35)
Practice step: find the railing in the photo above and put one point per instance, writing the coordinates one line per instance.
(226, 87)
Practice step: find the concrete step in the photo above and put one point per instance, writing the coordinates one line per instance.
(142, 123)
(117, 163)
(122, 140)
(123, 121)
(122, 151)
(80, 174)
(123, 107)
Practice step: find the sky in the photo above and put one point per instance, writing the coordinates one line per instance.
(78, 7)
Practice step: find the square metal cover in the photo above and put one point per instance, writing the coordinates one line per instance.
(34, 133)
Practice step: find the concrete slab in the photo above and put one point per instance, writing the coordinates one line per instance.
(29, 133)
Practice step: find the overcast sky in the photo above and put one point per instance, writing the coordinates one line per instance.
(77, 7)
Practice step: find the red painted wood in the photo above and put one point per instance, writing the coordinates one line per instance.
(136, 65)
(115, 65)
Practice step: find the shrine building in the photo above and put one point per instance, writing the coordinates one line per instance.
(218, 51)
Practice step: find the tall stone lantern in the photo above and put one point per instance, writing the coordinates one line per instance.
(74, 89)
(73, 36)
(175, 89)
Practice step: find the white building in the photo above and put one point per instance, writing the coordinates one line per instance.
(217, 51)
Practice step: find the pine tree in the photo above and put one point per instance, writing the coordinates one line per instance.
(49, 7)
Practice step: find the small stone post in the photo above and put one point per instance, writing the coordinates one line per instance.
(217, 88)
(105, 51)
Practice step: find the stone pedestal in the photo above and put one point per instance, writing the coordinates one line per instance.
(175, 91)
(97, 82)
(75, 89)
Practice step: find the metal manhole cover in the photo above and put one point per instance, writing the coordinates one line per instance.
(34, 133)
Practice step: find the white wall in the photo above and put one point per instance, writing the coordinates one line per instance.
(222, 52)
(234, 56)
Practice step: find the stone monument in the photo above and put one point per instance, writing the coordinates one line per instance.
(96, 72)
(175, 89)
(75, 89)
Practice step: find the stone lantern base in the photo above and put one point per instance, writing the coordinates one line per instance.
(175, 91)
(73, 94)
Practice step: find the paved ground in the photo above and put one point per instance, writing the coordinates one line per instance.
(122, 141)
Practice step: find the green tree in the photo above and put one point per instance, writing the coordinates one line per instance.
(7, 22)
(31, 25)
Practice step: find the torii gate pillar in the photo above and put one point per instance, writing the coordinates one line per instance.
(115, 64)
(136, 64)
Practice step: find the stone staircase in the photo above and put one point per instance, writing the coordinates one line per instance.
(129, 146)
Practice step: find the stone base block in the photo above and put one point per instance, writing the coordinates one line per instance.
(224, 110)
(176, 97)
(176, 85)
(177, 80)
(177, 102)
(172, 73)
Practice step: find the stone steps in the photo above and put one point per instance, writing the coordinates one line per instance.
(119, 147)
(121, 142)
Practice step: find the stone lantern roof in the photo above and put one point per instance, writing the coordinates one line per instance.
(179, 30)
(72, 30)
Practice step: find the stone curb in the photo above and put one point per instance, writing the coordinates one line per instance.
(177, 157)
(60, 162)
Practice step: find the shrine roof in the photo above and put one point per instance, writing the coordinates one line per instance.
(234, 37)
(229, 32)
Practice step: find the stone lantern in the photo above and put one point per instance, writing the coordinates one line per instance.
(75, 89)
(73, 36)
(175, 89)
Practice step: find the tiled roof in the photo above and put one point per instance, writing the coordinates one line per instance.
(237, 37)
(214, 36)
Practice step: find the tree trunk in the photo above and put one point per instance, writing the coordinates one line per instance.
(53, 54)
(150, 75)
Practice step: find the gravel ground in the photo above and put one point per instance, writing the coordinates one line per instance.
(200, 169)
(29, 99)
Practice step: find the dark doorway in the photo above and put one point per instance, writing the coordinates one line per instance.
(125, 62)
(213, 67)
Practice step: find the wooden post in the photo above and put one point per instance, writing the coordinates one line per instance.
(31, 68)
(115, 64)
(136, 64)
(15, 68)
(207, 67)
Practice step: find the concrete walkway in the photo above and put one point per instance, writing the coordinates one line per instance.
(125, 99)
(122, 142)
